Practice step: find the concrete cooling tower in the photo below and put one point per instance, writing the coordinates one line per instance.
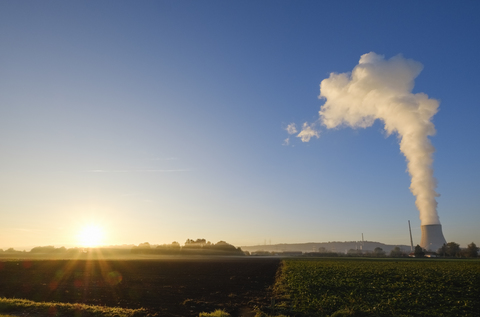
(432, 237)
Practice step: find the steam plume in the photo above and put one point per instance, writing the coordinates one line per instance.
(382, 89)
(291, 128)
(308, 132)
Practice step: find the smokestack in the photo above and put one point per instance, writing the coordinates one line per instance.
(432, 237)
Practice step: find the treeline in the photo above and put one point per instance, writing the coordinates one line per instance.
(448, 250)
(50, 249)
(203, 247)
(453, 249)
(63, 251)
(191, 247)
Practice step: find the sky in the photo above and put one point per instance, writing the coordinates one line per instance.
(161, 121)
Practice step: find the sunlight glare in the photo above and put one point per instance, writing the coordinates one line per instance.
(90, 236)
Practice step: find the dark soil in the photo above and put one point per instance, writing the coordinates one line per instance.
(167, 287)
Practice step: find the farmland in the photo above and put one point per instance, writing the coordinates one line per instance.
(166, 287)
(178, 286)
(358, 287)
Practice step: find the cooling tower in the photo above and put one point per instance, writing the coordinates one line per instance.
(432, 237)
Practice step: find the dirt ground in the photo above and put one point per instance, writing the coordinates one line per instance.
(167, 287)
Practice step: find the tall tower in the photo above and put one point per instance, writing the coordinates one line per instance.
(432, 237)
(411, 240)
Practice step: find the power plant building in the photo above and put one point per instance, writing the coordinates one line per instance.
(432, 237)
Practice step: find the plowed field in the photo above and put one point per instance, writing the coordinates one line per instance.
(169, 287)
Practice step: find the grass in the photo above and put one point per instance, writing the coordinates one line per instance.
(64, 309)
(216, 313)
(347, 287)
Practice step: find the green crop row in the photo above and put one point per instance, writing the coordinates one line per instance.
(322, 287)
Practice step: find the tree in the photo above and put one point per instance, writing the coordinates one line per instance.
(142, 248)
(224, 246)
(46, 249)
(397, 252)
(61, 250)
(443, 250)
(172, 248)
(202, 242)
(378, 252)
(353, 252)
(453, 249)
(419, 253)
(192, 244)
(472, 250)
(144, 245)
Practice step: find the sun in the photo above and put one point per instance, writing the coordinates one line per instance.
(90, 236)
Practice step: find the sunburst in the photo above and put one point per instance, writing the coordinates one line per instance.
(91, 235)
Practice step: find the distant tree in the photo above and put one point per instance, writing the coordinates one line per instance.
(142, 248)
(204, 247)
(46, 249)
(419, 253)
(453, 249)
(472, 250)
(378, 252)
(192, 243)
(61, 250)
(72, 251)
(224, 246)
(442, 251)
(397, 252)
(172, 248)
(201, 241)
(353, 252)
(144, 245)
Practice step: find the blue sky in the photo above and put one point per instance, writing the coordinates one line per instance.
(165, 120)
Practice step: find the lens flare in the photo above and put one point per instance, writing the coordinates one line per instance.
(90, 236)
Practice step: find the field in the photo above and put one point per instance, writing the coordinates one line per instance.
(355, 287)
(241, 285)
(168, 287)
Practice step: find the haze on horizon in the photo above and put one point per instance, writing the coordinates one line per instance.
(124, 122)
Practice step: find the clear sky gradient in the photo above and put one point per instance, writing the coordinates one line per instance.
(165, 120)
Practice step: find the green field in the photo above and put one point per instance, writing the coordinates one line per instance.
(361, 287)
(187, 287)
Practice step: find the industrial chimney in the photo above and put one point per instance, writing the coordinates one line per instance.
(432, 237)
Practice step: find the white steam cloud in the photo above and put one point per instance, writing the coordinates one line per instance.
(382, 89)
(291, 128)
(308, 132)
